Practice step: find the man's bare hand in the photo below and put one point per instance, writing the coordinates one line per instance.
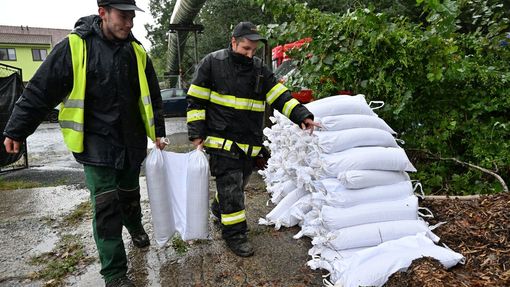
(309, 124)
(161, 143)
(11, 146)
(198, 143)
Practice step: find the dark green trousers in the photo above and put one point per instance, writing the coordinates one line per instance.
(115, 197)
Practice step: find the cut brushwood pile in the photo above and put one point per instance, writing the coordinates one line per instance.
(479, 229)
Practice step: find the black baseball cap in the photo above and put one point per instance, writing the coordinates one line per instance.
(247, 30)
(125, 5)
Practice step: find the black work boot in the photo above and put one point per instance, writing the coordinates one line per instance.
(121, 282)
(241, 247)
(140, 239)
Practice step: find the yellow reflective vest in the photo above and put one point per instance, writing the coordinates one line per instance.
(72, 116)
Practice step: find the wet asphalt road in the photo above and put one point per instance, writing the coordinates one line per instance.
(30, 225)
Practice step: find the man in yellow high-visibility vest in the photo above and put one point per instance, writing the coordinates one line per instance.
(111, 103)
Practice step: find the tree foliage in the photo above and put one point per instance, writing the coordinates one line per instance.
(218, 17)
(161, 11)
(444, 76)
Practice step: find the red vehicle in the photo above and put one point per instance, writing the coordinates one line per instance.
(283, 67)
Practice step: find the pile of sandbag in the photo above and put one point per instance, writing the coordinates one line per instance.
(348, 189)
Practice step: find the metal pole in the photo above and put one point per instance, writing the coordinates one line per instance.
(179, 85)
(196, 48)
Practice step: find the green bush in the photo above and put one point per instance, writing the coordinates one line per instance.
(445, 84)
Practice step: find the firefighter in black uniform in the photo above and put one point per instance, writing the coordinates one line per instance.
(226, 104)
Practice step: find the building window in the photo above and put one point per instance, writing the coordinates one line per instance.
(7, 54)
(39, 54)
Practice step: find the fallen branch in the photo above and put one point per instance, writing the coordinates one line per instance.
(497, 176)
(459, 197)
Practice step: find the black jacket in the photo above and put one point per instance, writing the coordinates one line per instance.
(226, 73)
(114, 133)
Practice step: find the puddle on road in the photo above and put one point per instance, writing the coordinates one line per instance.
(39, 202)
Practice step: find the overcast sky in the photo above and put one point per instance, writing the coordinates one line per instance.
(63, 14)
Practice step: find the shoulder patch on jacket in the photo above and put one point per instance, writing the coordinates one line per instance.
(258, 62)
(220, 54)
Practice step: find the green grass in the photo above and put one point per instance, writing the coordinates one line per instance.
(180, 246)
(24, 184)
(18, 184)
(63, 260)
(81, 212)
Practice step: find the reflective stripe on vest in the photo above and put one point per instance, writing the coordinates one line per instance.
(221, 143)
(71, 116)
(144, 103)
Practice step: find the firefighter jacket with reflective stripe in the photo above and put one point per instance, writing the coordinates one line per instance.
(227, 98)
(114, 130)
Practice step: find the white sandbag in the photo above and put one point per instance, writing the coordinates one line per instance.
(311, 225)
(372, 234)
(324, 252)
(299, 209)
(343, 122)
(380, 158)
(197, 197)
(335, 218)
(280, 215)
(178, 194)
(387, 258)
(340, 105)
(279, 190)
(356, 179)
(163, 221)
(342, 197)
(336, 141)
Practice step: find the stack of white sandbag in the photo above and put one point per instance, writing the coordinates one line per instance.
(347, 187)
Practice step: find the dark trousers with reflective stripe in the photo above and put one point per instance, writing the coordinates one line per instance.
(232, 175)
(115, 197)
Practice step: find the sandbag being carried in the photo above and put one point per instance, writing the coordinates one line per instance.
(178, 187)
(163, 221)
(336, 141)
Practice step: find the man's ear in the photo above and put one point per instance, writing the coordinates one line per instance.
(233, 42)
(101, 11)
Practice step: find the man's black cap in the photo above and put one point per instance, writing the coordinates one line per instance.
(125, 5)
(247, 30)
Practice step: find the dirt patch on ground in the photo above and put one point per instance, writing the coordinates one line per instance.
(477, 228)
